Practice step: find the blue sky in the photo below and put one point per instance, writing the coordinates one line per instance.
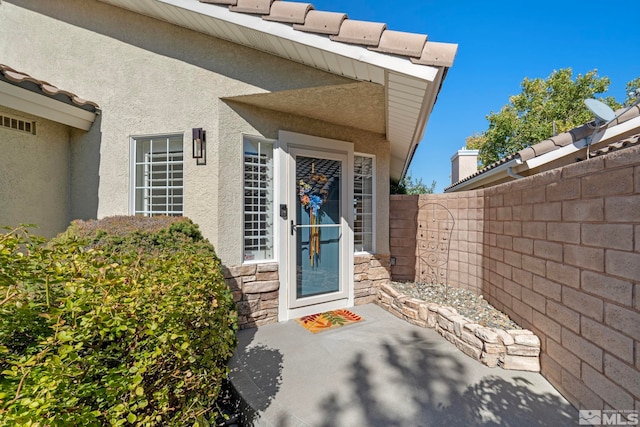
(501, 43)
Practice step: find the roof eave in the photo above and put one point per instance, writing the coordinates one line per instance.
(29, 102)
(358, 53)
(604, 136)
(405, 121)
(427, 107)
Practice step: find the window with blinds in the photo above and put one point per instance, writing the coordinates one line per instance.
(158, 175)
(363, 203)
(258, 199)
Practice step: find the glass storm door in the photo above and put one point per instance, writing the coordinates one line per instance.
(317, 228)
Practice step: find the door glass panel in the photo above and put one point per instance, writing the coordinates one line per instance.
(318, 231)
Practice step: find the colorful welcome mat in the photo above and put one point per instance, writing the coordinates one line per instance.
(329, 320)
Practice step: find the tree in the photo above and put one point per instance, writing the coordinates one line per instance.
(410, 185)
(544, 104)
(632, 93)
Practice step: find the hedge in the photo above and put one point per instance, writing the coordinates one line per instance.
(122, 321)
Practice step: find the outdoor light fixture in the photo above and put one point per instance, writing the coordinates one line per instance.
(199, 145)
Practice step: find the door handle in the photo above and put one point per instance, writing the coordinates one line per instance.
(293, 227)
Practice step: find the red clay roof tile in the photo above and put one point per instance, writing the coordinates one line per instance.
(401, 43)
(317, 21)
(259, 7)
(289, 12)
(44, 88)
(565, 139)
(360, 32)
(341, 29)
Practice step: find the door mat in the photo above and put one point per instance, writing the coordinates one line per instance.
(331, 319)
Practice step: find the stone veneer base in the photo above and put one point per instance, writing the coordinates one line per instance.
(517, 349)
(256, 287)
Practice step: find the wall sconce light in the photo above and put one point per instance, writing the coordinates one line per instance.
(199, 145)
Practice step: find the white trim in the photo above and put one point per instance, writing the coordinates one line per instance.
(345, 227)
(374, 201)
(274, 211)
(132, 175)
(24, 100)
(602, 137)
(357, 53)
(423, 118)
(133, 163)
(410, 89)
(465, 153)
(488, 177)
(295, 313)
(322, 147)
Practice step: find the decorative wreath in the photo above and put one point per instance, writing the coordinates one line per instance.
(312, 203)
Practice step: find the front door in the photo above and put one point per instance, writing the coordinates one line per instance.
(318, 230)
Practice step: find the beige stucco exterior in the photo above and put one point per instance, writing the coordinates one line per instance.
(150, 77)
(35, 175)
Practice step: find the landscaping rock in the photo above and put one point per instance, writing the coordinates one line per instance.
(487, 335)
(527, 340)
(520, 363)
(523, 350)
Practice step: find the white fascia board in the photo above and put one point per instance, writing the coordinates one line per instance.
(488, 177)
(285, 31)
(427, 107)
(24, 100)
(602, 137)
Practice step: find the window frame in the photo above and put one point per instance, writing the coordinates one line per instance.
(274, 198)
(373, 202)
(133, 162)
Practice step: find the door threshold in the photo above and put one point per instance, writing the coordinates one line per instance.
(295, 313)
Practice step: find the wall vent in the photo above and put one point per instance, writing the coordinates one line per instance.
(17, 124)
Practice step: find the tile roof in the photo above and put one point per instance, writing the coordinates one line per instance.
(373, 35)
(561, 140)
(629, 142)
(44, 88)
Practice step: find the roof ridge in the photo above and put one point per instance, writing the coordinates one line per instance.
(373, 35)
(21, 79)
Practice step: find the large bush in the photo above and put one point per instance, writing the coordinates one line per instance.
(124, 321)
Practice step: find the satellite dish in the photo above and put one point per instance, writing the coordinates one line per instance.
(602, 111)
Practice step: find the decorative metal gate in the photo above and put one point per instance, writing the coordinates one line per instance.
(435, 225)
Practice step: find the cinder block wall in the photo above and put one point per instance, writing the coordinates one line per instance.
(402, 236)
(465, 248)
(559, 252)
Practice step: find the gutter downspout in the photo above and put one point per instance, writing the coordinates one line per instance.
(512, 174)
(490, 176)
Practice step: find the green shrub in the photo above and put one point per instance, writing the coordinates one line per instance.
(113, 323)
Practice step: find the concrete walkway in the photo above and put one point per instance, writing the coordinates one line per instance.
(382, 372)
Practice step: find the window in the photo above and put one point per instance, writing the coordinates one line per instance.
(258, 199)
(157, 175)
(363, 202)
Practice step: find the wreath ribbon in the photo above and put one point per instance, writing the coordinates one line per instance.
(311, 203)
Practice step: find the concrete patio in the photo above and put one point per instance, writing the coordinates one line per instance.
(382, 372)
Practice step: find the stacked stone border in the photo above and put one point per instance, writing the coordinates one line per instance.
(256, 287)
(516, 349)
(370, 272)
(255, 290)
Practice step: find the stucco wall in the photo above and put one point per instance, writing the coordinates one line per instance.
(148, 77)
(236, 119)
(34, 175)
